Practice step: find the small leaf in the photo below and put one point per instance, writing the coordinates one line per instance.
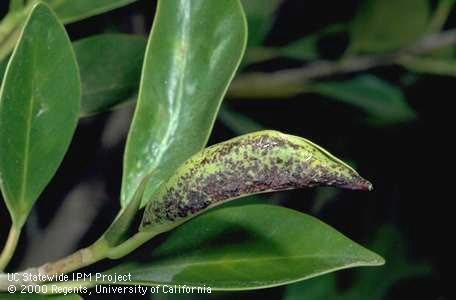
(247, 247)
(39, 107)
(117, 233)
(384, 25)
(431, 65)
(260, 16)
(193, 52)
(382, 101)
(71, 10)
(112, 78)
(255, 163)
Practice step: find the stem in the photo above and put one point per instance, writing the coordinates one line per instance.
(80, 259)
(10, 246)
(290, 82)
(131, 244)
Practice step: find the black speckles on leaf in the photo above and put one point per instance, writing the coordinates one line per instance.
(253, 163)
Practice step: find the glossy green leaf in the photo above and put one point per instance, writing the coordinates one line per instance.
(260, 16)
(39, 108)
(19, 296)
(193, 52)
(254, 163)
(110, 79)
(74, 10)
(383, 25)
(382, 101)
(372, 283)
(247, 247)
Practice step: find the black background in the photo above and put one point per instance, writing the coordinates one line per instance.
(409, 164)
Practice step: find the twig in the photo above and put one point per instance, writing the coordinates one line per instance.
(10, 246)
(292, 81)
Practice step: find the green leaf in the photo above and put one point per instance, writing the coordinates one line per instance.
(15, 5)
(254, 163)
(384, 25)
(382, 101)
(119, 230)
(39, 107)
(374, 283)
(19, 296)
(430, 65)
(71, 10)
(110, 79)
(3, 65)
(305, 48)
(194, 49)
(260, 16)
(247, 247)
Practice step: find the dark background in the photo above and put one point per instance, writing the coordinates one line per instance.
(409, 164)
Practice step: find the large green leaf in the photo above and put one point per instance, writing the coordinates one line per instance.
(260, 15)
(74, 10)
(112, 78)
(193, 52)
(383, 25)
(382, 101)
(247, 247)
(39, 108)
(254, 163)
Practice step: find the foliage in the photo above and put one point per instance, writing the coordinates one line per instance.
(177, 79)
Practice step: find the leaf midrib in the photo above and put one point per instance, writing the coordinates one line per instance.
(355, 260)
(22, 198)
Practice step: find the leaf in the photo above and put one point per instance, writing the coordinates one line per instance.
(193, 52)
(15, 5)
(374, 283)
(247, 247)
(39, 107)
(118, 232)
(431, 65)
(110, 79)
(383, 102)
(254, 163)
(260, 15)
(19, 296)
(71, 10)
(384, 25)
(3, 65)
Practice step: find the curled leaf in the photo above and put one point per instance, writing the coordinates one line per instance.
(254, 163)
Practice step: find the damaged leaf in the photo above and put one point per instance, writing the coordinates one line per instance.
(259, 162)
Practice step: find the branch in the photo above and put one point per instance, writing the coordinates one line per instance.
(290, 82)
